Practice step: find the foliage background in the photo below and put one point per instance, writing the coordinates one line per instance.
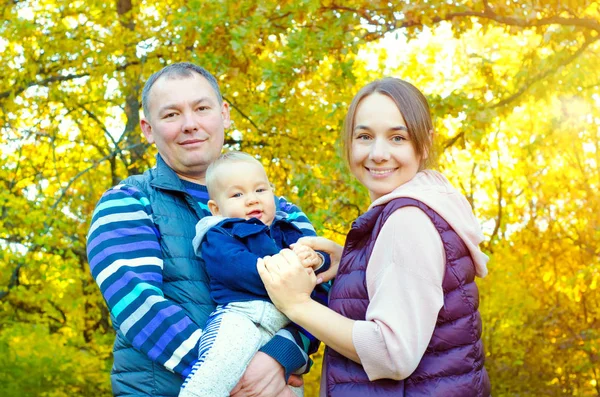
(514, 86)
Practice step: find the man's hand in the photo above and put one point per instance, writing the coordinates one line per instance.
(295, 380)
(264, 377)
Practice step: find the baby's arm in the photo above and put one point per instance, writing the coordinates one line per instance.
(308, 257)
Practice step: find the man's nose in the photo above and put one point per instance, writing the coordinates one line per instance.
(190, 122)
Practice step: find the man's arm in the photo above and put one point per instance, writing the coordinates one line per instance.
(126, 261)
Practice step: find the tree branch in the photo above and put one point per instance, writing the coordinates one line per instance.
(14, 281)
(450, 142)
(44, 82)
(587, 23)
(56, 79)
(100, 124)
(244, 115)
(499, 215)
(91, 167)
(542, 75)
(392, 24)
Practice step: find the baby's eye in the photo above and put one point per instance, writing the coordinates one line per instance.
(235, 195)
(261, 190)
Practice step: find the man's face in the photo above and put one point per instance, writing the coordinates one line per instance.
(186, 123)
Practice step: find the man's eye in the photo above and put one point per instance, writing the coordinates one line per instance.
(169, 115)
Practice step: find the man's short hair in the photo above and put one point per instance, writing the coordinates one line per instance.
(233, 156)
(177, 70)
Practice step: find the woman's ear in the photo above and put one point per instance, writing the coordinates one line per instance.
(426, 154)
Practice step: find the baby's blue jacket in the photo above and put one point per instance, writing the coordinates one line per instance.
(231, 249)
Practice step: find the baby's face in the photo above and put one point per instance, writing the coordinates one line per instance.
(244, 192)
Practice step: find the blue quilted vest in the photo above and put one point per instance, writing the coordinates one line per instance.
(452, 365)
(175, 214)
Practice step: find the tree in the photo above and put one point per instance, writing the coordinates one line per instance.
(516, 92)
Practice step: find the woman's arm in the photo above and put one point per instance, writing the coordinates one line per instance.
(404, 283)
(404, 278)
(330, 327)
(289, 287)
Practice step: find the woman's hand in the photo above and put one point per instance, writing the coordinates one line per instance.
(333, 249)
(287, 282)
(289, 287)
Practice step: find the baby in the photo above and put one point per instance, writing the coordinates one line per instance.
(245, 226)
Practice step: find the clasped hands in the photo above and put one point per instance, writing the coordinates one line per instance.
(289, 276)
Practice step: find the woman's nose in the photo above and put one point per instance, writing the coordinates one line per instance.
(380, 151)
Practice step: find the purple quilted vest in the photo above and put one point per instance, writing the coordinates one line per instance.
(453, 362)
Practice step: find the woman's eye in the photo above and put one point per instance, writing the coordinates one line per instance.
(363, 137)
(398, 138)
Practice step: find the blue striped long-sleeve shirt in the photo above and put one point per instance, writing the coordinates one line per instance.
(126, 261)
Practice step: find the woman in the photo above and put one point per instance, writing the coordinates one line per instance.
(403, 313)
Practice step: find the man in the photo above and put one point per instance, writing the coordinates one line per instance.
(140, 251)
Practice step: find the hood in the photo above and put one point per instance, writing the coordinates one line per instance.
(433, 189)
(201, 228)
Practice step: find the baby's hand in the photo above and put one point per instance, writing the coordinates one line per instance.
(308, 257)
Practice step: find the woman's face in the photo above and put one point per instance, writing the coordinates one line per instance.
(382, 156)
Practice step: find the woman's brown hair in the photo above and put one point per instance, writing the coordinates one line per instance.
(413, 107)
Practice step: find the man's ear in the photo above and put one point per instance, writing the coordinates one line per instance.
(213, 207)
(147, 130)
(226, 115)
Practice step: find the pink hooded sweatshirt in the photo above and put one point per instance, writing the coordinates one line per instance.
(407, 265)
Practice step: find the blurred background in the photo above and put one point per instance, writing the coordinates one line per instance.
(514, 87)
